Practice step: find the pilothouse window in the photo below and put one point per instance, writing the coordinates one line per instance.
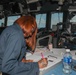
(73, 19)
(2, 22)
(11, 20)
(41, 20)
(56, 18)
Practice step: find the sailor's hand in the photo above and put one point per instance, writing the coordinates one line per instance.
(26, 61)
(43, 63)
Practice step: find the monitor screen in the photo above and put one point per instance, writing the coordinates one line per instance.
(44, 41)
(73, 28)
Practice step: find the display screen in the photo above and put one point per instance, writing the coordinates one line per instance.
(73, 28)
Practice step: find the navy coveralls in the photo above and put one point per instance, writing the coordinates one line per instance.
(12, 50)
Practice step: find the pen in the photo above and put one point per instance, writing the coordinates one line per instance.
(50, 60)
(52, 56)
(42, 55)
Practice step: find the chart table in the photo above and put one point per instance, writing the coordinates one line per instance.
(55, 65)
(58, 70)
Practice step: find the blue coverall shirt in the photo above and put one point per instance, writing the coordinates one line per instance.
(12, 50)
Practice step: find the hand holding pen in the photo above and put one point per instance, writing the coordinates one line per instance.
(43, 62)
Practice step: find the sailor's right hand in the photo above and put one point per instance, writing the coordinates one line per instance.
(43, 63)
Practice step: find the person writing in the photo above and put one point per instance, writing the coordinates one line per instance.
(14, 41)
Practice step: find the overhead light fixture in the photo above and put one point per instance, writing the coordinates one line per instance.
(31, 1)
(72, 8)
(60, 2)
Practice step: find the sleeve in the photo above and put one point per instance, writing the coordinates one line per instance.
(11, 65)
